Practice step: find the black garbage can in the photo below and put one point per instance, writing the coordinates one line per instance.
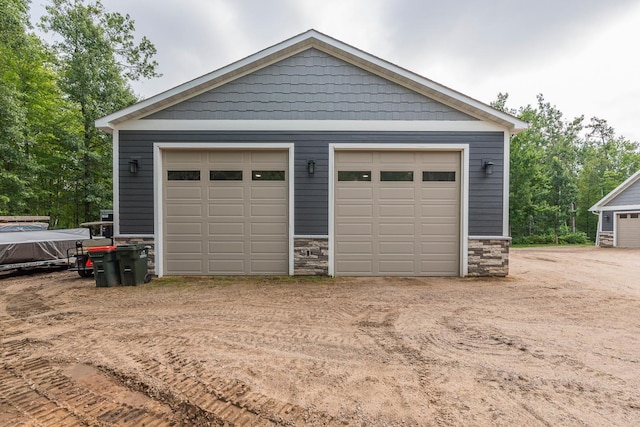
(132, 263)
(105, 265)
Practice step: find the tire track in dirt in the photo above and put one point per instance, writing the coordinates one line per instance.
(50, 392)
(184, 386)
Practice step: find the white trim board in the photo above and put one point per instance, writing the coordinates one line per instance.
(158, 147)
(464, 190)
(314, 125)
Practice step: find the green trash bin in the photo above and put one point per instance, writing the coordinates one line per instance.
(105, 265)
(132, 262)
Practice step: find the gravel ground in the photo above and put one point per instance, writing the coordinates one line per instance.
(555, 343)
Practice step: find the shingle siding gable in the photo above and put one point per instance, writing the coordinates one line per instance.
(311, 85)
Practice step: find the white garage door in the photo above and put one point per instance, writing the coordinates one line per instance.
(225, 212)
(628, 230)
(397, 213)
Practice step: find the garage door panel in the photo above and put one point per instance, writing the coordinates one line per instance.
(628, 230)
(356, 248)
(222, 247)
(354, 210)
(268, 157)
(185, 229)
(183, 157)
(349, 193)
(397, 248)
(189, 247)
(184, 193)
(268, 229)
(391, 267)
(354, 229)
(226, 229)
(269, 247)
(395, 229)
(226, 193)
(440, 228)
(439, 194)
(410, 219)
(223, 159)
(268, 266)
(184, 210)
(268, 192)
(268, 209)
(397, 193)
(439, 247)
(354, 267)
(184, 266)
(396, 211)
(226, 209)
(237, 213)
(347, 157)
(227, 266)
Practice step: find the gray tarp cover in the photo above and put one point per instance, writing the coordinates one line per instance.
(29, 246)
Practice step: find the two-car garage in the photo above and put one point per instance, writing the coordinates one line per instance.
(228, 212)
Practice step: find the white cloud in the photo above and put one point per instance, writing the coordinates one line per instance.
(578, 53)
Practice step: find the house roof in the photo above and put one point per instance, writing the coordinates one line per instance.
(307, 40)
(603, 203)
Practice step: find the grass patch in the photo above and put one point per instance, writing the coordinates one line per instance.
(217, 281)
(547, 245)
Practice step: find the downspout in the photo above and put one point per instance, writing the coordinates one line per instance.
(599, 227)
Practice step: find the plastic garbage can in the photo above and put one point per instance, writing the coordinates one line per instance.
(132, 263)
(105, 265)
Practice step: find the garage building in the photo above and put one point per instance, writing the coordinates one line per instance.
(619, 215)
(314, 157)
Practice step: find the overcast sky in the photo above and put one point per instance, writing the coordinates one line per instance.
(582, 55)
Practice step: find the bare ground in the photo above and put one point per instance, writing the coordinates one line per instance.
(556, 343)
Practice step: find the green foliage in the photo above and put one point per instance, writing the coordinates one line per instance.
(559, 169)
(52, 159)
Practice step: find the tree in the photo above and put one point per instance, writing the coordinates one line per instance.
(606, 161)
(97, 58)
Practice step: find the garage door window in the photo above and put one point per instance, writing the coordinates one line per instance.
(267, 175)
(623, 216)
(438, 176)
(396, 176)
(634, 216)
(183, 175)
(354, 175)
(225, 175)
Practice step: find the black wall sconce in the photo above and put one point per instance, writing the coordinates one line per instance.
(133, 166)
(311, 167)
(607, 218)
(487, 165)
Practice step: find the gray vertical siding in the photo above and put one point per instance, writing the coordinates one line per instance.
(311, 192)
(311, 85)
(608, 225)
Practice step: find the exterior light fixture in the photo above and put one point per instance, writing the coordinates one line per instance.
(487, 165)
(133, 166)
(311, 167)
(607, 218)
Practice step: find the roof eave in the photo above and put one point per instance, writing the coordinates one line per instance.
(299, 43)
(600, 205)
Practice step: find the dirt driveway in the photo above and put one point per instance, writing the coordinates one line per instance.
(556, 343)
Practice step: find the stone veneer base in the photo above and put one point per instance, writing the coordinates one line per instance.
(606, 239)
(488, 257)
(311, 256)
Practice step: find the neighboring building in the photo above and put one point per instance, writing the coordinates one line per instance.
(618, 211)
(314, 157)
